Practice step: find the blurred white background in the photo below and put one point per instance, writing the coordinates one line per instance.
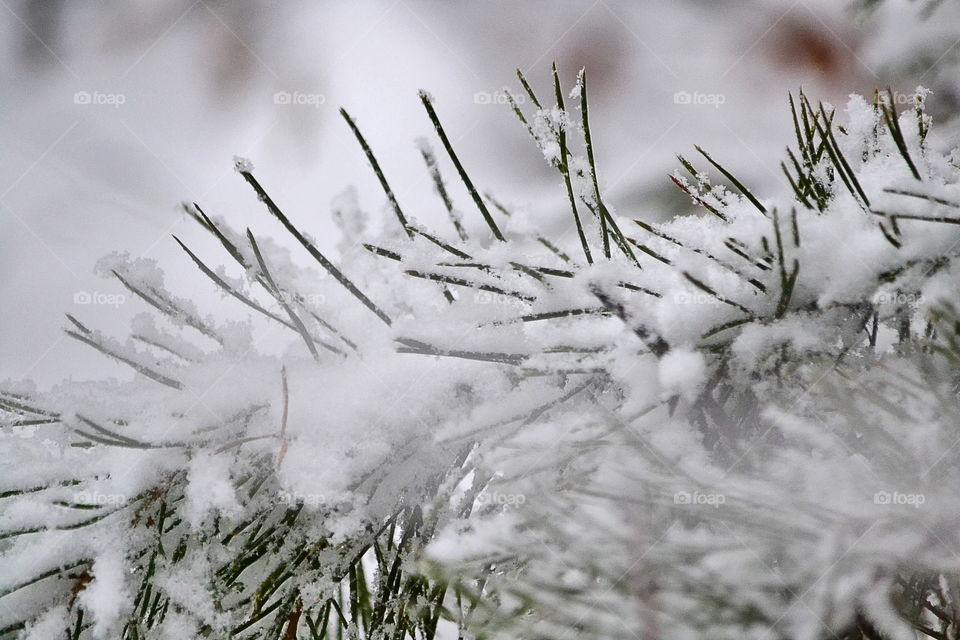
(113, 113)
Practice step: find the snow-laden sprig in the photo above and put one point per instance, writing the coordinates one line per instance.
(767, 458)
(705, 426)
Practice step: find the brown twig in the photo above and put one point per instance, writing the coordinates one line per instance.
(283, 421)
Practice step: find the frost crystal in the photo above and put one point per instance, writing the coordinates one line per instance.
(242, 165)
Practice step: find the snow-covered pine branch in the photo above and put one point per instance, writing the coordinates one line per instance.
(738, 424)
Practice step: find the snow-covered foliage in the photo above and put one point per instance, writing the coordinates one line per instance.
(732, 425)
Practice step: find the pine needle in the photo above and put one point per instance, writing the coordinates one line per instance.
(564, 167)
(736, 183)
(295, 319)
(431, 161)
(312, 250)
(87, 339)
(431, 112)
(372, 159)
(588, 143)
(220, 282)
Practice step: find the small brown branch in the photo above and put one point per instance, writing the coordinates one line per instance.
(283, 421)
